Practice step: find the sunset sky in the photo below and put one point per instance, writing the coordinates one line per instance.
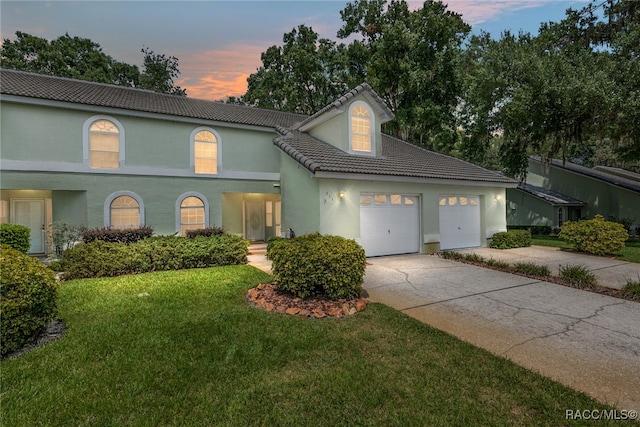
(218, 43)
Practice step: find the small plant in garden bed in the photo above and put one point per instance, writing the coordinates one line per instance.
(451, 255)
(632, 289)
(496, 263)
(531, 269)
(474, 258)
(577, 276)
(511, 239)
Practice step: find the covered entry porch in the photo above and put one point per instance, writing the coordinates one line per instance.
(254, 216)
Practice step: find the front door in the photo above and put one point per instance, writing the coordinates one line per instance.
(30, 213)
(254, 220)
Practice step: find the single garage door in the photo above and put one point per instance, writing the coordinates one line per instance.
(459, 222)
(389, 224)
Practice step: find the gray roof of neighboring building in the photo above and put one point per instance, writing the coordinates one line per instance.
(552, 197)
(399, 158)
(20, 83)
(615, 176)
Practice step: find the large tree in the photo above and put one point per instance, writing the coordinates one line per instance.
(569, 92)
(84, 59)
(411, 58)
(302, 76)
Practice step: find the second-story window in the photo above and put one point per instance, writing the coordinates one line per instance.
(104, 145)
(361, 134)
(205, 152)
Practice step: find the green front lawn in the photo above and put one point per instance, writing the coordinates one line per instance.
(630, 253)
(184, 348)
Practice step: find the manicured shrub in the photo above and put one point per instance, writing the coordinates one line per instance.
(107, 259)
(595, 236)
(511, 239)
(206, 232)
(273, 241)
(17, 236)
(577, 276)
(317, 264)
(116, 235)
(531, 269)
(28, 293)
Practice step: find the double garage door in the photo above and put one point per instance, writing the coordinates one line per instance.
(390, 223)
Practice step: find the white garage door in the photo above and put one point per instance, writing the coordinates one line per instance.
(459, 222)
(389, 224)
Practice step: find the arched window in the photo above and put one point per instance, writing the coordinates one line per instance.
(205, 151)
(560, 216)
(125, 212)
(361, 128)
(104, 145)
(192, 212)
(123, 209)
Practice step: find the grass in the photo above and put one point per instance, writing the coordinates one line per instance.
(184, 348)
(630, 253)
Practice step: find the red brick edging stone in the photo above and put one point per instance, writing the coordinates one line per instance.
(267, 297)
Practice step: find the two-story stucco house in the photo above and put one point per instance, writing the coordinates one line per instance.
(101, 155)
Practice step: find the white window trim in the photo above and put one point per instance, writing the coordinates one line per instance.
(112, 197)
(85, 139)
(371, 130)
(192, 158)
(191, 194)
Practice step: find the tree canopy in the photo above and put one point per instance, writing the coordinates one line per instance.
(569, 92)
(83, 59)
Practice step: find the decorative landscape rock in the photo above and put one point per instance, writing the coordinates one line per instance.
(267, 297)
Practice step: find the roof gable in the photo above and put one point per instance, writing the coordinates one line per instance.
(339, 106)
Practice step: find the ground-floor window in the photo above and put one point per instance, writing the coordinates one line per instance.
(192, 212)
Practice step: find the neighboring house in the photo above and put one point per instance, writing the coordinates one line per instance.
(102, 155)
(556, 192)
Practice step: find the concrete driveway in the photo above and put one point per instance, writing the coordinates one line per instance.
(587, 341)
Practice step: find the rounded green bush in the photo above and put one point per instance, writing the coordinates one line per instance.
(28, 294)
(595, 236)
(314, 264)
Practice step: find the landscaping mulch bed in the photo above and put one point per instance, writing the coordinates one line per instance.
(267, 297)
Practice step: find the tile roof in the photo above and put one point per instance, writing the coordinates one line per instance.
(53, 88)
(553, 197)
(615, 176)
(399, 158)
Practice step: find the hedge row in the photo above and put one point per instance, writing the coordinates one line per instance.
(316, 264)
(116, 235)
(107, 259)
(17, 236)
(28, 294)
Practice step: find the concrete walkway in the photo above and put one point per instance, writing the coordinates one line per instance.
(587, 341)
